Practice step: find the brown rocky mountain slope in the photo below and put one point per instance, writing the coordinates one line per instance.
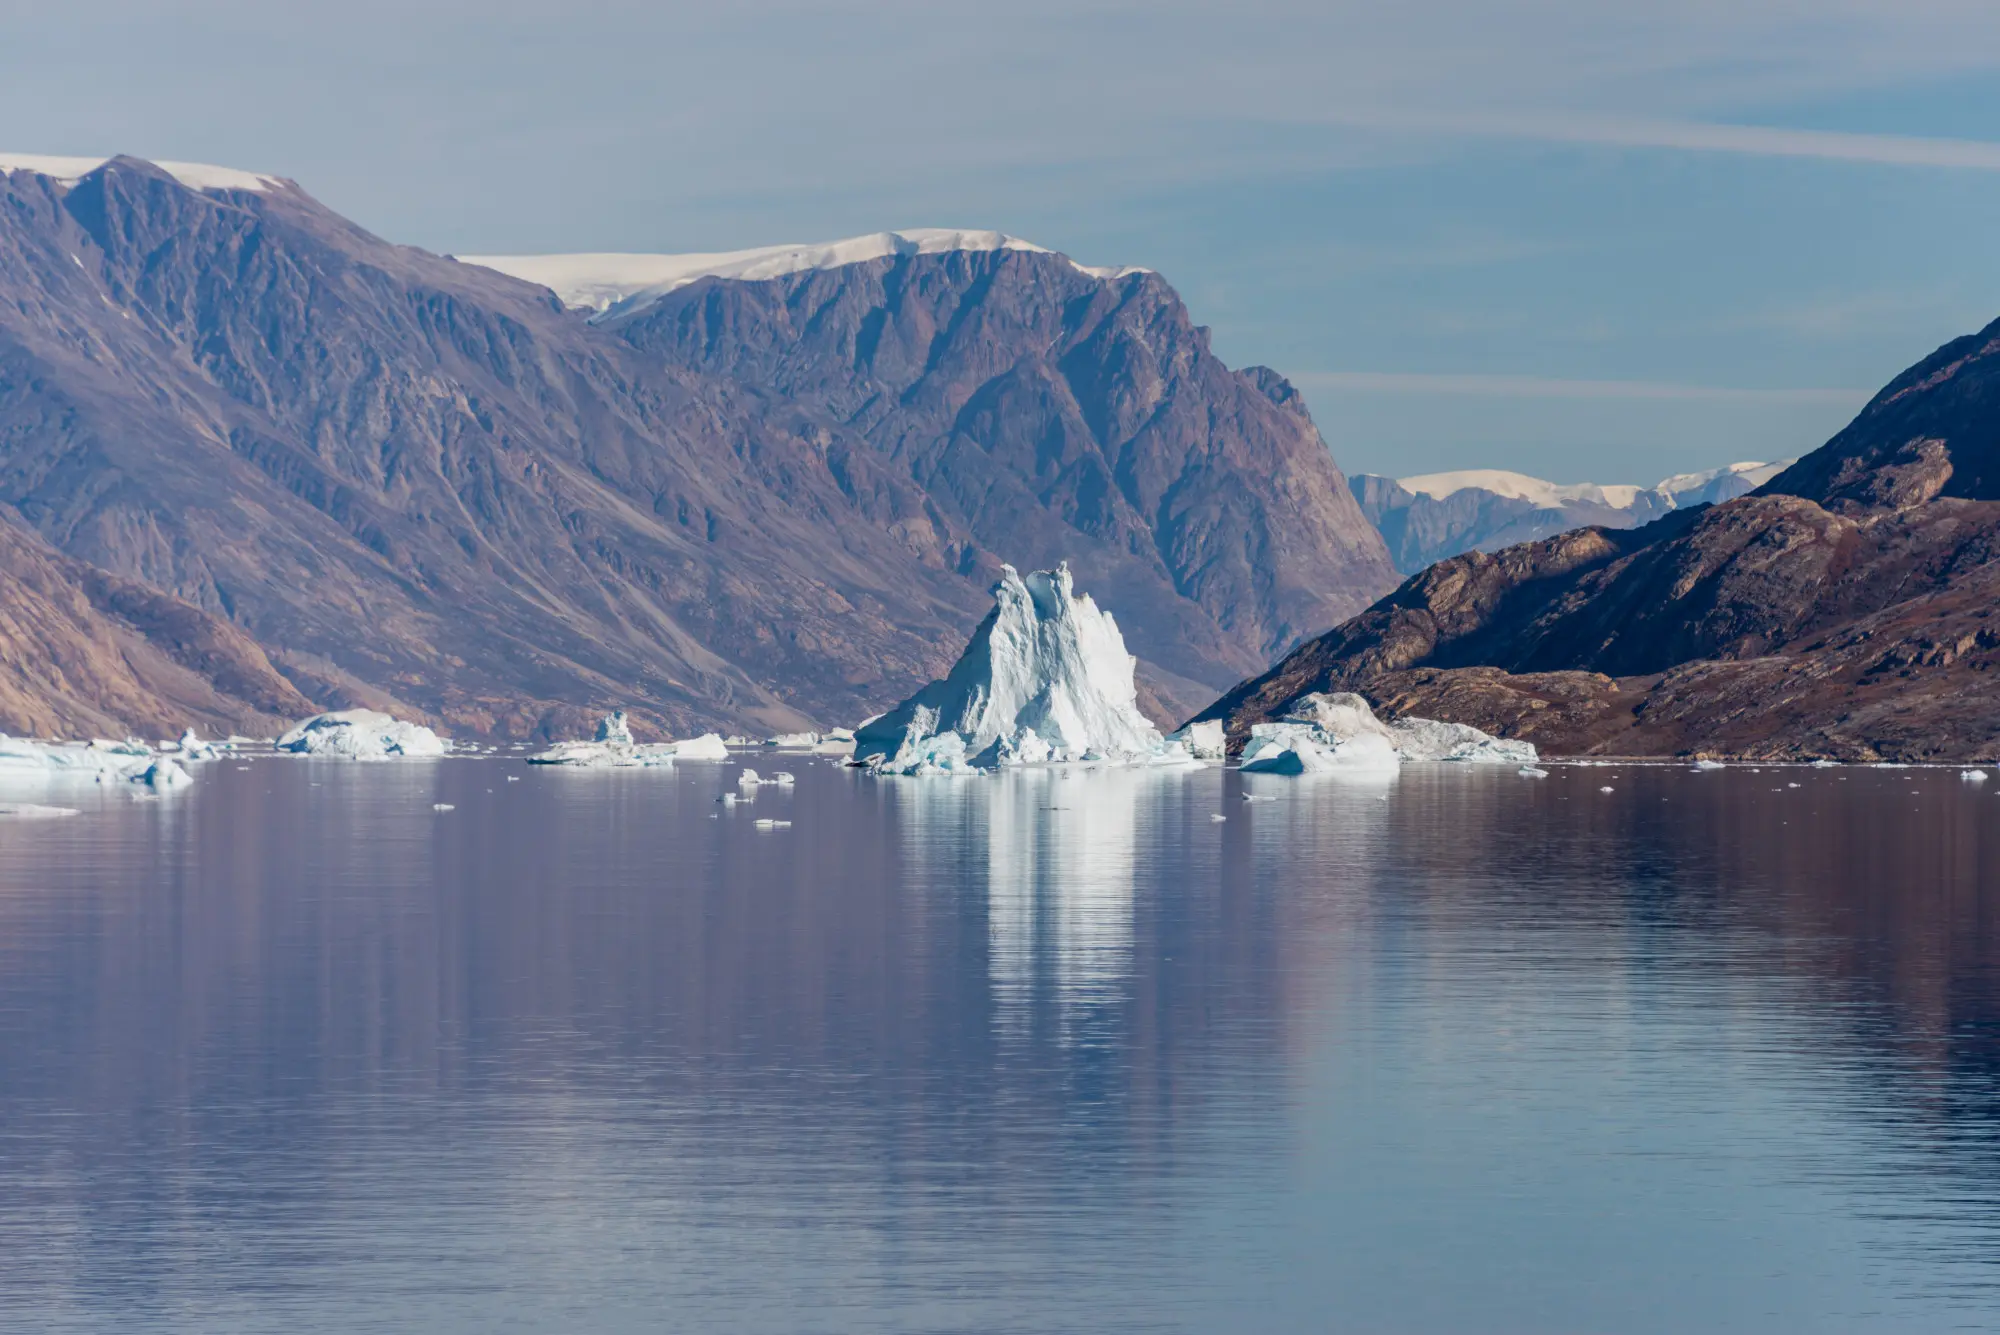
(426, 486)
(84, 653)
(1846, 610)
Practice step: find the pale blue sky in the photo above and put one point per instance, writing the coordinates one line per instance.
(1587, 240)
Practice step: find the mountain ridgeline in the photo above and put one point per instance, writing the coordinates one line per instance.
(363, 474)
(1847, 609)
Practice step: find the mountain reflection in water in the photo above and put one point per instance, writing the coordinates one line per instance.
(1444, 1050)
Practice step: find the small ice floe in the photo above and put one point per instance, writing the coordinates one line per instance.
(1607, 788)
(443, 806)
(362, 734)
(784, 778)
(1325, 733)
(727, 799)
(242, 769)
(1532, 772)
(164, 773)
(749, 778)
(192, 747)
(1258, 797)
(1704, 763)
(1204, 740)
(1791, 785)
(513, 778)
(1825, 764)
(793, 741)
(31, 811)
(1217, 816)
(1973, 775)
(774, 825)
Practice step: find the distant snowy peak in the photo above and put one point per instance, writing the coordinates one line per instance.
(619, 284)
(1518, 486)
(1682, 489)
(193, 175)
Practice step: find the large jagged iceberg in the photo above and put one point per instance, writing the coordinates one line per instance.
(1045, 678)
(1325, 733)
(100, 760)
(362, 734)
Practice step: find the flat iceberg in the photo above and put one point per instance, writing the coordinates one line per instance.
(362, 734)
(100, 760)
(1045, 679)
(1204, 739)
(613, 748)
(1328, 733)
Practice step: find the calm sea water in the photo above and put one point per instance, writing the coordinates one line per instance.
(1459, 1052)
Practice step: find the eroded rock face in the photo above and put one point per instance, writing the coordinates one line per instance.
(426, 487)
(1766, 627)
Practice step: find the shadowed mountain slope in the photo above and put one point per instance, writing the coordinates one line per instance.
(1846, 609)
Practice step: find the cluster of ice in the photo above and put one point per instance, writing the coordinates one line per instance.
(362, 734)
(613, 748)
(613, 284)
(1045, 678)
(193, 175)
(1329, 733)
(1204, 739)
(101, 761)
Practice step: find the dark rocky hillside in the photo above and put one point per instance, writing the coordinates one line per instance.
(1846, 610)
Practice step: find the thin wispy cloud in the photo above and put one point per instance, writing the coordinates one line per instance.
(1549, 387)
(1688, 136)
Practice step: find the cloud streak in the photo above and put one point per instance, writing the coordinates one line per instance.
(1549, 387)
(1691, 136)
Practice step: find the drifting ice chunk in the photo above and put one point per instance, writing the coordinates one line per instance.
(794, 741)
(164, 773)
(31, 811)
(99, 759)
(1203, 740)
(1326, 732)
(193, 748)
(708, 746)
(1973, 775)
(613, 730)
(1302, 748)
(1045, 677)
(362, 734)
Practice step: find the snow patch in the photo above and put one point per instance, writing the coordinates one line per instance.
(1045, 678)
(362, 734)
(613, 284)
(194, 175)
(1672, 493)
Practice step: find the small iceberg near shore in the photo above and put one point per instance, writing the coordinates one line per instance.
(613, 748)
(1045, 678)
(1338, 732)
(362, 734)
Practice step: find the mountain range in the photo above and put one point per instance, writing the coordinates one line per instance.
(1844, 610)
(1438, 515)
(256, 461)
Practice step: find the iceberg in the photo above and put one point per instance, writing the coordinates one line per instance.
(1203, 739)
(362, 734)
(164, 773)
(193, 748)
(613, 748)
(99, 760)
(1325, 733)
(1044, 679)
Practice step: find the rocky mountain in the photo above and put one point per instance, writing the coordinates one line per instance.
(1427, 519)
(1844, 610)
(425, 485)
(1049, 412)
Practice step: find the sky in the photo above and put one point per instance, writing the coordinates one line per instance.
(1583, 240)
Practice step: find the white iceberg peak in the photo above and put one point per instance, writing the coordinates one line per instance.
(1339, 732)
(619, 284)
(1045, 677)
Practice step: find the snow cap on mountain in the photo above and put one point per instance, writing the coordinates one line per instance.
(193, 175)
(613, 284)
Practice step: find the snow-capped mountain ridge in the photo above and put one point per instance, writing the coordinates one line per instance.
(1619, 496)
(193, 175)
(614, 284)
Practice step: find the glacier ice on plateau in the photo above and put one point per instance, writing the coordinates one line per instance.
(362, 734)
(1325, 733)
(1044, 678)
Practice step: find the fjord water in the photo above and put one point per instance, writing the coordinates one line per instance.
(1454, 1051)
